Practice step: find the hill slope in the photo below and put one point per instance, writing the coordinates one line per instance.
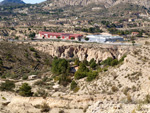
(17, 60)
(107, 3)
(10, 2)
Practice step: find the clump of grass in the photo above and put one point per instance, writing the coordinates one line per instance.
(45, 107)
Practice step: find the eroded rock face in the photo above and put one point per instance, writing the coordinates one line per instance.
(81, 51)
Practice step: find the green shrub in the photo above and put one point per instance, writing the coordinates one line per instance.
(64, 80)
(77, 62)
(60, 66)
(9, 75)
(139, 107)
(45, 107)
(85, 62)
(129, 99)
(33, 72)
(1, 62)
(114, 62)
(47, 62)
(147, 99)
(16, 38)
(25, 77)
(105, 69)
(7, 86)
(83, 68)
(26, 55)
(32, 35)
(99, 69)
(122, 58)
(32, 49)
(76, 89)
(58, 37)
(93, 65)
(91, 75)
(73, 85)
(125, 90)
(133, 42)
(3, 98)
(86, 39)
(25, 90)
(61, 111)
(1, 69)
(133, 111)
(91, 61)
(41, 93)
(72, 38)
(36, 55)
(44, 79)
(80, 74)
(39, 82)
(82, 71)
(114, 89)
(3, 76)
(107, 61)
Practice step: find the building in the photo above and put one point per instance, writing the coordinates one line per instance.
(104, 38)
(74, 69)
(134, 33)
(131, 20)
(31, 77)
(65, 36)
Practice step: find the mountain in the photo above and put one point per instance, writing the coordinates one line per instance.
(11, 2)
(107, 3)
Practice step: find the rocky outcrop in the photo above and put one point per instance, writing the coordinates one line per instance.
(81, 51)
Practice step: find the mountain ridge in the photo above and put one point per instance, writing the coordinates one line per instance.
(12, 2)
(107, 3)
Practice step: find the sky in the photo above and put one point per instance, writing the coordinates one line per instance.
(31, 1)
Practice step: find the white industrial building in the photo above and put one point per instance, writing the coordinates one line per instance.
(104, 38)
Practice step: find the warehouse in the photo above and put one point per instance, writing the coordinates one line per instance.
(104, 38)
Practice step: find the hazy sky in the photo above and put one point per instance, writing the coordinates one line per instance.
(31, 1)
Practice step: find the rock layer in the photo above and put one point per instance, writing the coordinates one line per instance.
(82, 51)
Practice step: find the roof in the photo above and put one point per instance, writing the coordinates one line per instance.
(49, 33)
(135, 32)
(63, 34)
(104, 36)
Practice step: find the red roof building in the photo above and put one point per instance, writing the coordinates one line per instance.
(50, 35)
(134, 33)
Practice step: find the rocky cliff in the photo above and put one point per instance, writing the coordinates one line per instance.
(81, 51)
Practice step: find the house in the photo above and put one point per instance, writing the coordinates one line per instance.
(134, 33)
(131, 20)
(74, 69)
(65, 36)
(31, 77)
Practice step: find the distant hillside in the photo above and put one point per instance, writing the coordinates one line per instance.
(11, 2)
(107, 3)
(17, 60)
